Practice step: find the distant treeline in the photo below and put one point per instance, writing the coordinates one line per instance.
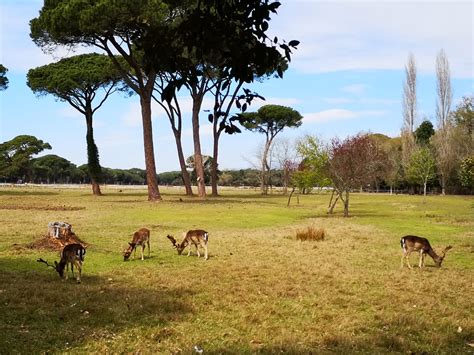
(53, 169)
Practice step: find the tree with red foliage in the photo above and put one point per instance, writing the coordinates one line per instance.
(350, 166)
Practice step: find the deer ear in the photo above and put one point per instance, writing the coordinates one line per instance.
(130, 244)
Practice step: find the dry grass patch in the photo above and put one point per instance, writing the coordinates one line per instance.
(311, 234)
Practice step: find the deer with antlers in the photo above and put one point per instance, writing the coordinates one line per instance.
(140, 238)
(411, 243)
(198, 237)
(71, 254)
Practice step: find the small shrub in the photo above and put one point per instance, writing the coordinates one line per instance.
(311, 234)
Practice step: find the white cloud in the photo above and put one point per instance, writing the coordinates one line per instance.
(338, 115)
(365, 35)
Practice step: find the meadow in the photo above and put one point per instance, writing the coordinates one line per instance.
(261, 291)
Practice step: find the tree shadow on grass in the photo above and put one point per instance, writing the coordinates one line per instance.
(41, 313)
(26, 192)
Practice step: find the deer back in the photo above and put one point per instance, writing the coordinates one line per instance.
(141, 236)
(197, 236)
(414, 243)
(72, 252)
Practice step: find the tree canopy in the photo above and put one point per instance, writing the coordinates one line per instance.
(80, 80)
(3, 78)
(424, 132)
(15, 155)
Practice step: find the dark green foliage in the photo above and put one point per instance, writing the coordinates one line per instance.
(74, 79)
(3, 78)
(15, 157)
(271, 119)
(53, 169)
(424, 132)
(173, 178)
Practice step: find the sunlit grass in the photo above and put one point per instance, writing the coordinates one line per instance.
(260, 291)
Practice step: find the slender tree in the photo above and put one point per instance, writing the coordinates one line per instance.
(422, 168)
(3, 78)
(114, 27)
(84, 82)
(270, 120)
(443, 89)
(409, 95)
(173, 111)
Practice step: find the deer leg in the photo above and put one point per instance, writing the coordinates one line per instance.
(189, 251)
(420, 263)
(197, 250)
(148, 243)
(205, 252)
(407, 257)
(79, 268)
(142, 250)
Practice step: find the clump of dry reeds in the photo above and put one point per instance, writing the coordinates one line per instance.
(311, 234)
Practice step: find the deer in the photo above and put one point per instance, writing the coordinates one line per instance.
(410, 243)
(140, 237)
(71, 254)
(198, 237)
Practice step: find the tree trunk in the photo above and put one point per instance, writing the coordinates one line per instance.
(153, 191)
(331, 206)
(93, 164)
(346, 204)
(264, 172)
(198, 164)
(182, 163)
(214, 165)
(289, 197)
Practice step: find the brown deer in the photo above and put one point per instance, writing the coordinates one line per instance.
(410, 243)
(72, 254)
(140, 237)
(197, 237)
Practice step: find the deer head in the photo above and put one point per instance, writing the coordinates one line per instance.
(127, 252)
(179, 247)
(440, 259)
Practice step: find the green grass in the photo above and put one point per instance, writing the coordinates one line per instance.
(261, 291)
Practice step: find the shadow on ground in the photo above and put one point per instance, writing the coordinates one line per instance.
(41, 313)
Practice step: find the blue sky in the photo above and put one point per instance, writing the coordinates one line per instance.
(346, 77)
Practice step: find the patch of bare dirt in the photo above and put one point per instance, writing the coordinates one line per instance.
(52, 243)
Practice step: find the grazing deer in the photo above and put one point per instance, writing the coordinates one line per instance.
(197, 237)
(140, 237)
(72, 254)
(410, 243)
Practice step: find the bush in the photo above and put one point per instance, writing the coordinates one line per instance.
(311, 234)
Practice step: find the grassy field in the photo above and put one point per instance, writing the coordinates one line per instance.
(261, 291)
